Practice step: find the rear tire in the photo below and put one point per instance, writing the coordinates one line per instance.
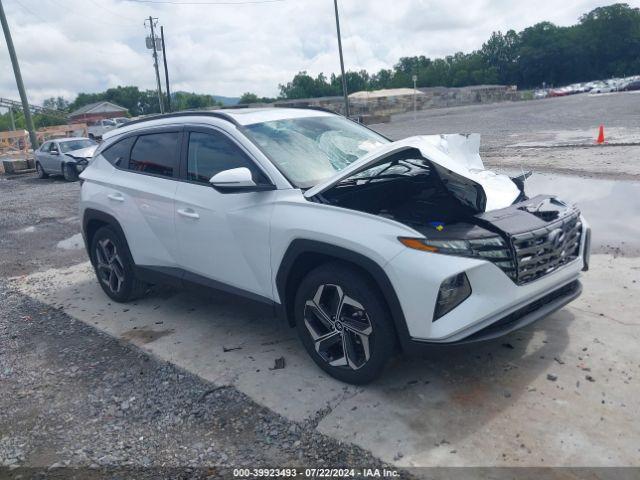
(344, 323)
(70, 173)
(114, 266)
(40, 171)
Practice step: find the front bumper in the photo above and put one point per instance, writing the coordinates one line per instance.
(495, 307)
(536, 310)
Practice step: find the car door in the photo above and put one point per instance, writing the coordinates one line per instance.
(55, 158)
(223, 236)
(140, 193)
(42, 155)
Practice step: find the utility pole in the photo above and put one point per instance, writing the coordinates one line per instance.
(155, 62)
(415, 91)
(13, 121)
(344, 78)
(16, 70)
(166, 70)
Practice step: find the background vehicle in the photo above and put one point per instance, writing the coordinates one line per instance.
(120, 121)
(602, 87)
(64, 156)
(635, 85)
(362, 244)
(95, 130)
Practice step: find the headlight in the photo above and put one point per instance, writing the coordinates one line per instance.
(492, 249)
(453, 291)
(80, 167)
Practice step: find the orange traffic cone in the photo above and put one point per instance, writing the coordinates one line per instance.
(600, 139)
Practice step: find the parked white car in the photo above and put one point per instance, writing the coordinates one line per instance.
(365, 245)
(602, 87)
(98, 128)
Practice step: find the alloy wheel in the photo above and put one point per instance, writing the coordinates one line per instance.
(109, 265)
(339, 327)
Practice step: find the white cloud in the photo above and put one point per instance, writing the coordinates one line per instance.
(71, 46)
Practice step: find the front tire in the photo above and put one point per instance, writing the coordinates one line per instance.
(114, 266)
(344, 323)
(40, 171)
(70, 173)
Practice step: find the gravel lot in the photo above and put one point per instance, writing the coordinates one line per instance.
(76, 398)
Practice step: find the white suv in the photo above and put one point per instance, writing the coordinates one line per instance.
(365, 245)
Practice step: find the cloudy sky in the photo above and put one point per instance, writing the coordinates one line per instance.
(228, 47)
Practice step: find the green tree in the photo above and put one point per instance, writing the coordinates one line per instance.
(248, 97)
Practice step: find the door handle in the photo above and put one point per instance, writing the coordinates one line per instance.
(117, 197)
(188, 212)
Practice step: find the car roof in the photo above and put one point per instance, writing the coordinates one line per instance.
(237, 116)
(69, 139)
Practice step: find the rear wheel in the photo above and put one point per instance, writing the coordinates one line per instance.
(344, 323)
(70, 173)
(114, 266)
(40, 171)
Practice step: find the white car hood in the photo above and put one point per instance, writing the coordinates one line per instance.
(86, 152)
(457, 155)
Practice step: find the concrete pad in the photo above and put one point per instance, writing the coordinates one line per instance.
(492, 404)
(481, 405)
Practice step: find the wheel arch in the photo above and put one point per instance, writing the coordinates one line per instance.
(92, 220)
(303, 255)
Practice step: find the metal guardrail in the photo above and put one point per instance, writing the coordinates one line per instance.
(15, 105)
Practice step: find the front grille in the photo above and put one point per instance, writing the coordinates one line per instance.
(497, 252)
(542, 251)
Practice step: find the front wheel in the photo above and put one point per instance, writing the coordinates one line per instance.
(114, 266)
(344, 323)
(40, 171)
(70, 173)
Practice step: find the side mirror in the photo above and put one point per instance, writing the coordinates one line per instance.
(54, 152)
(237, 179)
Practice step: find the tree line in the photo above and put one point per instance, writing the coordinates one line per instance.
(604, 43)
(138, 102)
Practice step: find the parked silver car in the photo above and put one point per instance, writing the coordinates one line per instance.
(64, 156)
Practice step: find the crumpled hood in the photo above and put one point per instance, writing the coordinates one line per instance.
(456, 158)
(86, 152)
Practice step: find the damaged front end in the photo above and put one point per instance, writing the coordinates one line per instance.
(438, 186)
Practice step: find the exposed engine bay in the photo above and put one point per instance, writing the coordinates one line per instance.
(526, 239)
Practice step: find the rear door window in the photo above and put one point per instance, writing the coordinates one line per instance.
(156, 154)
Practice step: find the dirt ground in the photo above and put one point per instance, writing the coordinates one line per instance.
(182, 385)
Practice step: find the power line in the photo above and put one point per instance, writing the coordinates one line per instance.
(91, 18)
(171, 2)
(113, 13)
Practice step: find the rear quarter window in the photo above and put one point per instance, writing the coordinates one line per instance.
(156, 154)
(118, 153)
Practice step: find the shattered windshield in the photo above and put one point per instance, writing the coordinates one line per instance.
(311, 149)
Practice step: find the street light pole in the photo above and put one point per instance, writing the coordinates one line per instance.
(16, 71)
(344, 78)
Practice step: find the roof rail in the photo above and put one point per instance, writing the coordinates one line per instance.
(187, 113)
(309, 107)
